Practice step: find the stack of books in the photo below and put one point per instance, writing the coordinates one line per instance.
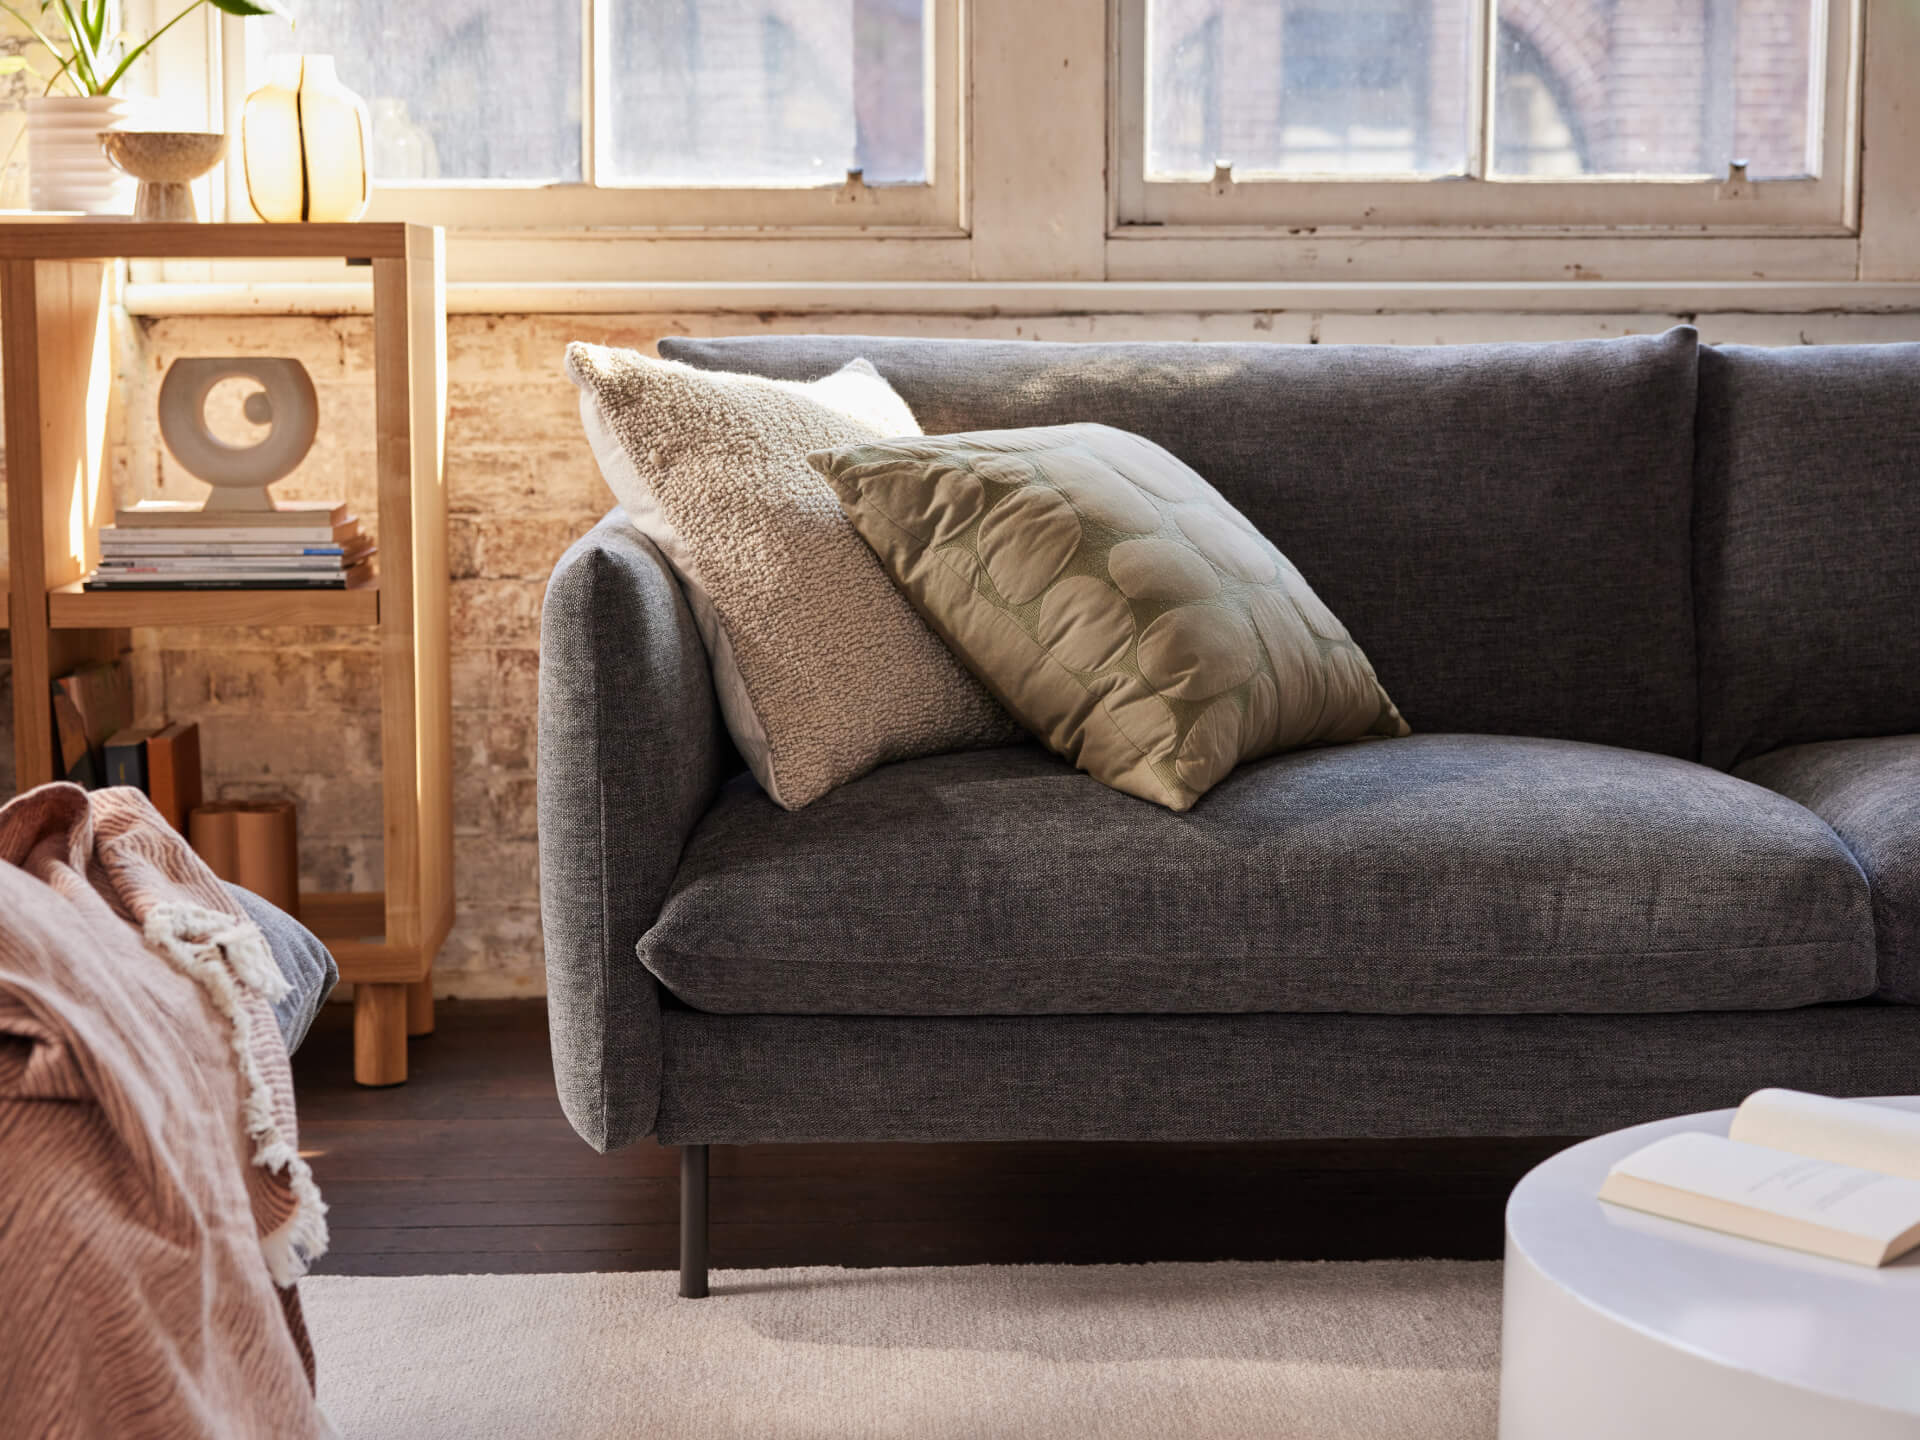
(98, 743)
(165, 763)
(90, 705)
(167, 545)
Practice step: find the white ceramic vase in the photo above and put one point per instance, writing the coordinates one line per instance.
(66, 168)
(305, 140)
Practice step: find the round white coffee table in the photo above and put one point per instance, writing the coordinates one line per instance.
(1618, 1324)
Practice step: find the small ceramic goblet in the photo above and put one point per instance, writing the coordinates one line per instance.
(165, 162)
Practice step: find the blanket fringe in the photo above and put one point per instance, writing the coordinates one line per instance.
(223, 954)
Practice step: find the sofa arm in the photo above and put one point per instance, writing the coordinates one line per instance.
(631, 753)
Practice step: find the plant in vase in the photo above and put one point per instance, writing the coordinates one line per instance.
(65, 165)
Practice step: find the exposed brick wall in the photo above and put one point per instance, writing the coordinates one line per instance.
(297, 711)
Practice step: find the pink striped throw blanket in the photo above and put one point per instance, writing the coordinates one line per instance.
(154, 1209)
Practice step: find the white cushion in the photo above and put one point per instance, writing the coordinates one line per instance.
(822, 667)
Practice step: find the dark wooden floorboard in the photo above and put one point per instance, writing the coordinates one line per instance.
(470, 1166)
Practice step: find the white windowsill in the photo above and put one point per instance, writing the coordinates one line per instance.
(988, 298)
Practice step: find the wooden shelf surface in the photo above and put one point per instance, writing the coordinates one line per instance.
(37, 237)
(69, 607)
(344, 914)
(352, 923)
(374, 962)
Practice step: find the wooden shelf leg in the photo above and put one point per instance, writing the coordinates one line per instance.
(380, 1034)
(420, 1006)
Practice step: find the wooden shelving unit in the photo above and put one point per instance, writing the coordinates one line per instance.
(55, 349)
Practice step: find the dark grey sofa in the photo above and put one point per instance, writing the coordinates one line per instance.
(1643, 603)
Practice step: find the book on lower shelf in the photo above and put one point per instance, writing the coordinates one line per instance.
(1839, 1178)
(162, 761)
(127, 758)
(91, 705)
(162, 545)
(173, 771)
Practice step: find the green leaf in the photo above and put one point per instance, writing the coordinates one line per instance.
(13, 64)
(232, 7)
(254, 7)
(85, 67)
(86, 34)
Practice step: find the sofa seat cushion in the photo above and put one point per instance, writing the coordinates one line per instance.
(1869, 792)
(1439, 874)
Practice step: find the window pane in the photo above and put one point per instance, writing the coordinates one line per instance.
(1655, 87)
(767, 92)
(459, 90)
(1302, 87)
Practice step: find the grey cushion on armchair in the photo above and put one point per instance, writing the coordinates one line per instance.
(308, 965)
(631, 753)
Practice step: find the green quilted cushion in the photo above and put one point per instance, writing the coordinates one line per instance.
(1112, 600)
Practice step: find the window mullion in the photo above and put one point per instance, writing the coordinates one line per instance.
(1482, 43)
(594, 115)
(231, 57)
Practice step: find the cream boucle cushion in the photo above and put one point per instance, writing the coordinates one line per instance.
(1113, 600)
(823, 670)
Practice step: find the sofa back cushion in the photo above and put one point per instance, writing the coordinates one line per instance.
(1504, 529)
(1807, 570)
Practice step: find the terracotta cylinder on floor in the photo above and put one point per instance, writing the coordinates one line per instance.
(213, 835)
(267, 852)
(255, 844)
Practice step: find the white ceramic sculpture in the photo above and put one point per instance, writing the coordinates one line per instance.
(239, 474)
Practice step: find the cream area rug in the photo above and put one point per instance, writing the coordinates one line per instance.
(1343, 1350)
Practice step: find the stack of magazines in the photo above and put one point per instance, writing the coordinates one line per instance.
(166, 545)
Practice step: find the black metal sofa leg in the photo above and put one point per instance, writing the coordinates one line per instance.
(693, 1222)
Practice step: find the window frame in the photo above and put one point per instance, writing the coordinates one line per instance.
(935, 208)
(1039, 229)
(1827, 205)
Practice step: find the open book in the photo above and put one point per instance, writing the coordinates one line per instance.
(1839, 1178)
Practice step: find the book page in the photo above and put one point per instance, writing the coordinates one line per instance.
(1846, 1132)
(1770, 1195)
